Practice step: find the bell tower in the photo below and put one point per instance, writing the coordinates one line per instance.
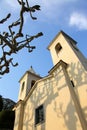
(27, 81)
(63, 47)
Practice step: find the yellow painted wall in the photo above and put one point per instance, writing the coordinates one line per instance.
(77, 67)
(79, 77)
(59, 109)
(66, 53)
(22, 93)
(27, 78)
(31, 77)
(18, 117)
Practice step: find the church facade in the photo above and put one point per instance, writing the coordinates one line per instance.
(59, 100)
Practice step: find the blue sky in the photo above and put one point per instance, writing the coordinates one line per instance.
(67, 15)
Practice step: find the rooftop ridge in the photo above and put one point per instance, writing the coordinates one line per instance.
(32, 70)
(66, 35)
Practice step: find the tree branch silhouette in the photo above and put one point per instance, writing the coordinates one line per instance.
(10, 39)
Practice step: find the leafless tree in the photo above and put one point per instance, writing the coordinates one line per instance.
(10, 38)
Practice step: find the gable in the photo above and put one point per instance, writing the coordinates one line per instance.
(67, 37)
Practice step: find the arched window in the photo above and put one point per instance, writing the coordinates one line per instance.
(32, 83)
(58, 47)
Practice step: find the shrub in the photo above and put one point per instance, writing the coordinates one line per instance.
(7, 119)
(1, 103)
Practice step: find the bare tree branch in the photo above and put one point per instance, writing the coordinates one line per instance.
(5, 19)
(10, 39)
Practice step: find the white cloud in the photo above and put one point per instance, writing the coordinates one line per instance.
(78, 20)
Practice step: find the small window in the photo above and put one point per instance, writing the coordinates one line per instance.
(39, 115)
(23, 84)
(32, 83)
(58, 47)
(72, 83)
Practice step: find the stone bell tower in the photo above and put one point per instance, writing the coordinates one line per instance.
(26, 82)
(63, 47)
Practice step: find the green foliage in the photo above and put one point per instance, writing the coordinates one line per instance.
(1, 103)
(7, 119)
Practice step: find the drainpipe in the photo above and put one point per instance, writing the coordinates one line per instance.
(75, 100)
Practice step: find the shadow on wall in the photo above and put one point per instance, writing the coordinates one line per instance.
(79, 76)
(46, 94)
(69, 116)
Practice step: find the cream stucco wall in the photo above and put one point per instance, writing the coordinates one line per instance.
(26, 79)
(79, 77)
(22, 93)
(77, 66)
(59, 109)
(66, 54)
(31, 77)
(18, 115)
